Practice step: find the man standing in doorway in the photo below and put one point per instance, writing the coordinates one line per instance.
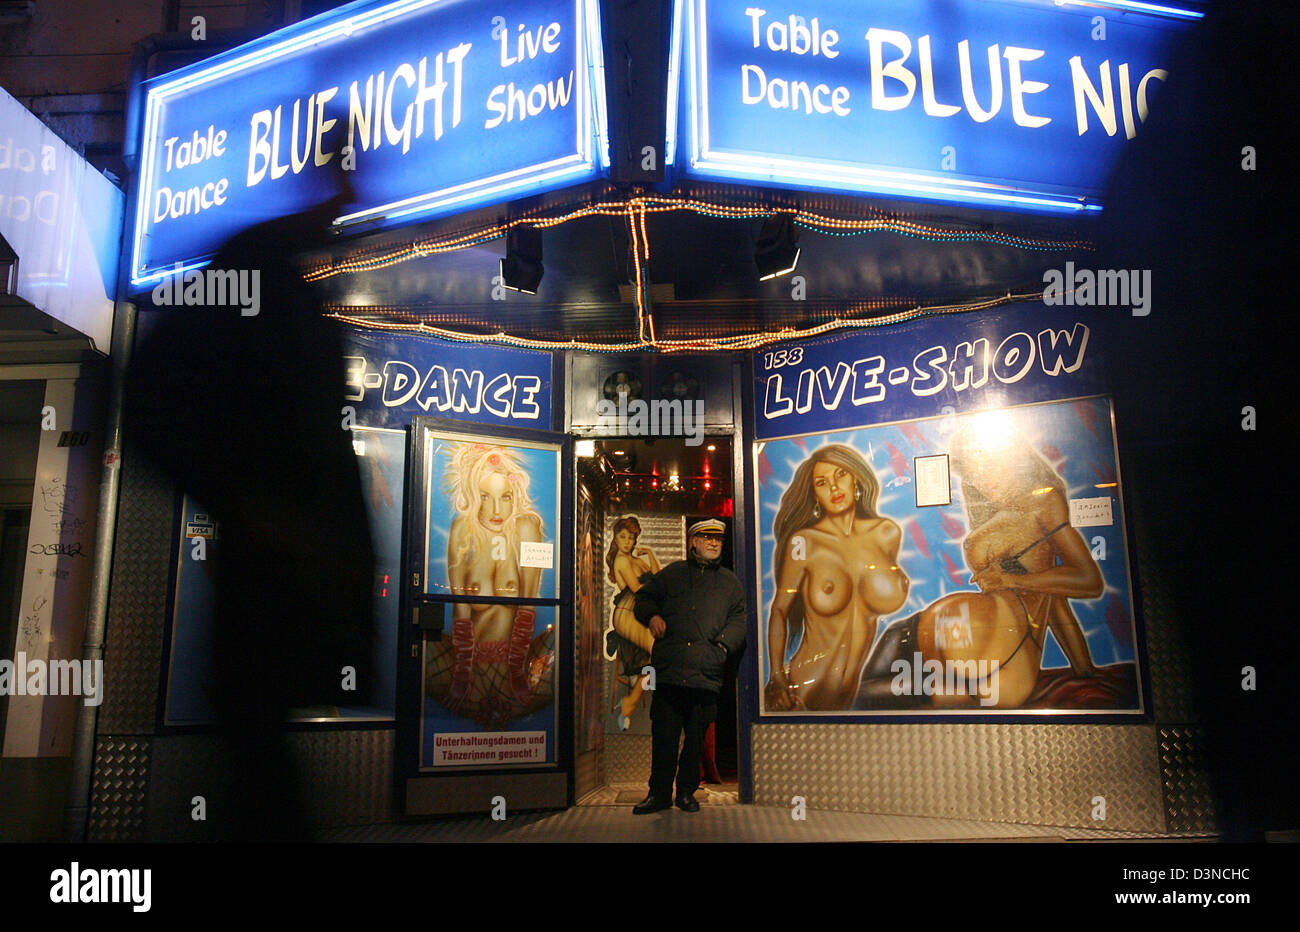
(695, 609)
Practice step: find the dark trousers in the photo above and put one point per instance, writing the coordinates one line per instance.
(673, 710)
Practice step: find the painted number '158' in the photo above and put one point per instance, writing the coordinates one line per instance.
(783, 357)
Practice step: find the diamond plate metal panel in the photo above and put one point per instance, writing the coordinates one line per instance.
(346, 779)
(627, 758)
(138, 601)
(456, 795)
(1031, 774)
(186, 766)
(586, 773)
(118, 789)
(1189, 802)
(1168, 660)
(349, 775)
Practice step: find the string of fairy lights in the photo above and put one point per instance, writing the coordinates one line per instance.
(635, 211)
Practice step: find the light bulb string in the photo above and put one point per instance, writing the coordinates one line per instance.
(640, 205)
(733, 343)
(635, 210)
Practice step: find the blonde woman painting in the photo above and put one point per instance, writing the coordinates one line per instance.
(493, 670)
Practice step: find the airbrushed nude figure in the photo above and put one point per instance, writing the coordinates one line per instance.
(629, 567)
(837, 572)
(492, 669)
(1027, 561)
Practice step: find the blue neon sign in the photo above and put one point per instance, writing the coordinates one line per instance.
(438, 106)
(1022, 104)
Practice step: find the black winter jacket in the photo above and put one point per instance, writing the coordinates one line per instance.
(704, 607)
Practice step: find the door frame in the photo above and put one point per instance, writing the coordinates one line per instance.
(471, 790)
(739, 431)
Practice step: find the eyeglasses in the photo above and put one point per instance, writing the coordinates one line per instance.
(710, 538)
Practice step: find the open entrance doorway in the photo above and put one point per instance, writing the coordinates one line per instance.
(636, 499)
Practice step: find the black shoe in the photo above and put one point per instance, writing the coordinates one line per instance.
(651, 803)
(686, 803)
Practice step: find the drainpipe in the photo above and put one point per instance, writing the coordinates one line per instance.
(92, 651)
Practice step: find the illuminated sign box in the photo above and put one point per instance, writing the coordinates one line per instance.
(393, 377)
(1023, 104)
(437, 105)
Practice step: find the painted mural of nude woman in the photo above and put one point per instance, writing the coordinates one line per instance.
(1027, 561)
(629, 566)
(836, 572)
(492, 669)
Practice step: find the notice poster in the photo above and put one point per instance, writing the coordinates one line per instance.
(492, 519)
(511, 747)
(875, 603)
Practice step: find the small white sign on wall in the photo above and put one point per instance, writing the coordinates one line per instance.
(933, 484)
(1091, 512)
(539, 554)
(460, 749)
